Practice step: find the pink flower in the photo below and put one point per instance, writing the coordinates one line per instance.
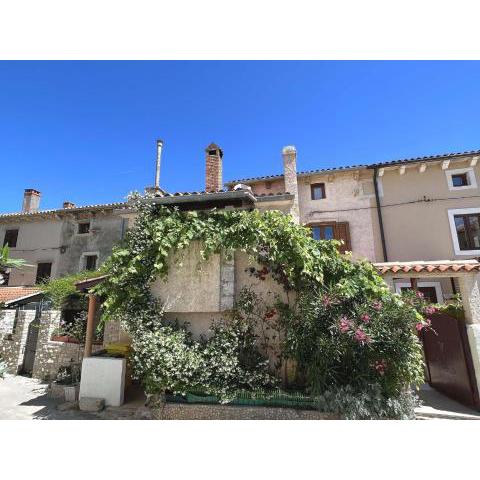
(380, 367)
(365, 318)
(345, 324)
(421, 325)
(419, 294)
(377, 306)
(326, 301)
(362, 337)
(430, 310)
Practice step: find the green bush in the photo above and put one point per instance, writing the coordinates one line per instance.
(168, 359)
(368, 403)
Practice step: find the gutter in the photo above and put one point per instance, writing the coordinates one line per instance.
(379, 214)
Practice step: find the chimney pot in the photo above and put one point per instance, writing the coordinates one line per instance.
(31, 200)
(213, 168)
(68, 204)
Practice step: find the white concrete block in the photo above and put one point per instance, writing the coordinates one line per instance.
(103, 377)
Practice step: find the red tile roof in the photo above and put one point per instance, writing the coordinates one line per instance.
(8, 294)
(427, 267)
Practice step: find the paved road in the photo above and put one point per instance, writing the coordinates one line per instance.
(23, 398)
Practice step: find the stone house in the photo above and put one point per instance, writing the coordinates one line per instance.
(60, 241)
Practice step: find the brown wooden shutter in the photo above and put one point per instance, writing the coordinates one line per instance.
(342, 232)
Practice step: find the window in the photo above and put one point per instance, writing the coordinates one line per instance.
(10, 239)
(317, 191)
(333, 231)
(468, 231)
(465, 229)
(461, 179)
(44, 271)
(432, 291)
(84, 227)
(90, 262)
(323, 232)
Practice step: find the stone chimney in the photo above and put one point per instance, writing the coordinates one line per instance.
(289, 154)
(213, 164)
(68, 205)
(31, 200)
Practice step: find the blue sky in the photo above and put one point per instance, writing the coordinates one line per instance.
(86, 131)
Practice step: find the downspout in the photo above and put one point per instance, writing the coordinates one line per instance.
(379, 214)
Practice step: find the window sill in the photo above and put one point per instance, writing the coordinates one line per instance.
(464, 187)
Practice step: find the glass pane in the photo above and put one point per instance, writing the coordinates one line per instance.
(316, 233)
(317, 193)
(328, 233)
(461, 232)
(459, 180)
(474, 227)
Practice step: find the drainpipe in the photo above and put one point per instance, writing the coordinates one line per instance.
(379, 214)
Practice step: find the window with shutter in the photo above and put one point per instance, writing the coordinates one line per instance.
(342, 232)
(333, 230)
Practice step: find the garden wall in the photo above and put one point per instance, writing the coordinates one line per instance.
(198, 292)
(13, 336)
(176, 411)
(51, 355)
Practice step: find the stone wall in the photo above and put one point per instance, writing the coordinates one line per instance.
(52, 355)
(13, 336)
(178, 411)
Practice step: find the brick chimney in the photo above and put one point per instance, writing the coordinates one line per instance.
(31, 200)
(213, 162)
(289, 154)
(68, 204)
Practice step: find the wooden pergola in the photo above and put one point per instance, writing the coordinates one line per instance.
(93, 302)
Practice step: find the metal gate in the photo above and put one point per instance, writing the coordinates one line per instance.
(31, 342)
(448, 359)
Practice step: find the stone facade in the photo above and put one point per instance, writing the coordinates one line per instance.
(177, 411)
(13, 337)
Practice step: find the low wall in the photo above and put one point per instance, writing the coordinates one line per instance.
(181, 411)
(13, 336)
(52, 355)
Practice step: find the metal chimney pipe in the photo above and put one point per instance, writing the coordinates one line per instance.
(159, 157)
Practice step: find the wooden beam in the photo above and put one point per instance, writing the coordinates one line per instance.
(381, 171)
(473, 161)
(422, 167)
(92, 309)
(402, 169)
(445, 164)
(413, 282)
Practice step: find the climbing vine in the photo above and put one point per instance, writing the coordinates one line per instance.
(342, 328)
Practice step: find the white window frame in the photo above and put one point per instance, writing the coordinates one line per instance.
(453, 229)
(83, 262)
(472, 181)
(436, 285)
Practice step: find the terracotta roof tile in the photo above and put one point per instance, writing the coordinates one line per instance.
(428, 267)
(13, 293)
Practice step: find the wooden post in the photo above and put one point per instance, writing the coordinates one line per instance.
(413, 282)
(92, 308)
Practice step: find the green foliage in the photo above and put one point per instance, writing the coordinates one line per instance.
(77, 329)
(341, 327)
(355, 341)
(368, 403)
(61, 290)
(167, 358)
